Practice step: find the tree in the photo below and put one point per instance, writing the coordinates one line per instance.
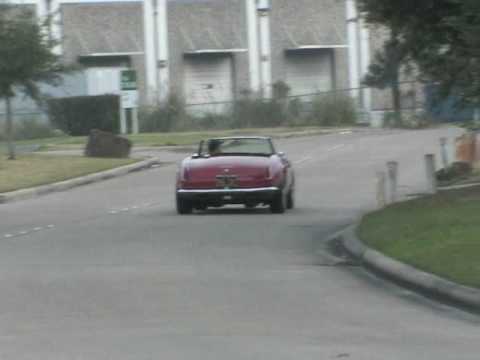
(26, 59)
(441, 38)
(451, 58)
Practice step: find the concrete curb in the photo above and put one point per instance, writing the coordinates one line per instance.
(29, 193)
(458, 187)
(422, 281)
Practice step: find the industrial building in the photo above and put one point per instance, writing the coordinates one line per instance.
(210, 52)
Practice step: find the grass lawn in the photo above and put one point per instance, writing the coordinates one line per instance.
(439, 234)
(34, 170)
(172, 138)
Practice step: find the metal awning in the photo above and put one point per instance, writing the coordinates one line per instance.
(107, 59)
(315, 47)
(214, 51)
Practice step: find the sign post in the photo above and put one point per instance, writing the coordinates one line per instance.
(129, 100)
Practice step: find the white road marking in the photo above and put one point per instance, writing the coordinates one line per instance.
(304, 160)
(28, 231)
(312, 156)
(336, 147)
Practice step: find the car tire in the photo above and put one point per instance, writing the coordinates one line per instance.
(278, 205)
(290, 200)
(184, 207)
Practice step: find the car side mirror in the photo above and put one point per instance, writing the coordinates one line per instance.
(282, 154)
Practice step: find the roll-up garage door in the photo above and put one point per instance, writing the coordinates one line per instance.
(208, 80)
(309, 73)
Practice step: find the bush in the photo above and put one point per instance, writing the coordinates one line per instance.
(333, 110)
(249, 112)
(211, 121)
(164, 118)
(456, 171)
(79, 115)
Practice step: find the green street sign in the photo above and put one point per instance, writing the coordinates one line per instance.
(128, 80)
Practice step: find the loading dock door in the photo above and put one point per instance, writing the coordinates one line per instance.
(208, 79)
(309, 73)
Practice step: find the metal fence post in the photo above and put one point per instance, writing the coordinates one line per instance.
(431, 175)
(392, 167)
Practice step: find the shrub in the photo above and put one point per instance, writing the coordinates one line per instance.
(212, 121)
(165, 118)
(296, 112)
(457, 170)
(79, 115)
(333, 110)
(249, 112)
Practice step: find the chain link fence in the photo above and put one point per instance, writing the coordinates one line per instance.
(330, 108)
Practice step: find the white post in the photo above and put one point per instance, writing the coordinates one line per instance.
(161, 18)
(253, 51)
(381, 190)
(392, 167)
(365, 64)
(352, 34)
(444, 151)
(476, 114)
(150, 52)
(265, 50)
(135, 126)
(123, 120)
(431, 176)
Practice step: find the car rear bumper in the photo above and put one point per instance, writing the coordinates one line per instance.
(229, 196)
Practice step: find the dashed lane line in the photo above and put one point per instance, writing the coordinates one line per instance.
(25, 232)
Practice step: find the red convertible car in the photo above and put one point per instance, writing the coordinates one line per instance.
(235, 170)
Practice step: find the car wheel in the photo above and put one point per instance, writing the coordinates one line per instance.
(277, 206)
(184, 206)
(291, 199)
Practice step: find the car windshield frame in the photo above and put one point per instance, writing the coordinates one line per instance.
(203, 149)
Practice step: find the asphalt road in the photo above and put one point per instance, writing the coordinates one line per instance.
(109, 271)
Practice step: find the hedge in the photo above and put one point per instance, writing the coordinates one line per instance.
(78, 115)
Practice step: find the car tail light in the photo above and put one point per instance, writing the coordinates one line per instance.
(268, 172)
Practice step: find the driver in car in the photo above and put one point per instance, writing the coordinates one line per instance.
(214, 147)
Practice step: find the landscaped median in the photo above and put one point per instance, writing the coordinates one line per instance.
(437, 235)
(34, 175)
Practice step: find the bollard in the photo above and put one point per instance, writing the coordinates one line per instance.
(444, 152)
(431, 175)
(381, 190)
(392, 167)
